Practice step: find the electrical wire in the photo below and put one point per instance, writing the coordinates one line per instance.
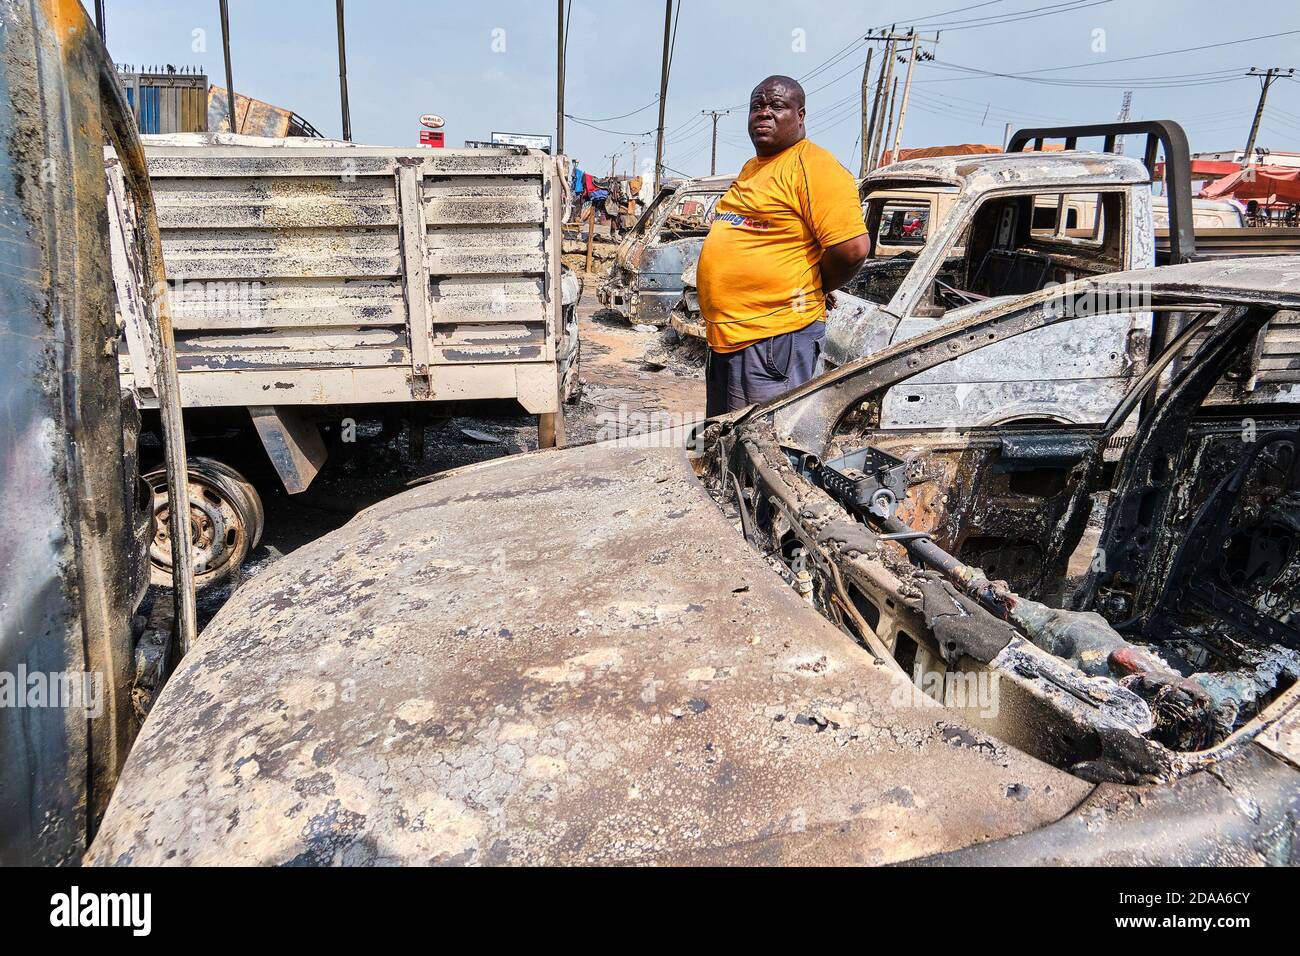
(1124, 59)
(610, 119)
(1014, 16)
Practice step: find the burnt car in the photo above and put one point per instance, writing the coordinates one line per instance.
(808, 640)
(645, 279)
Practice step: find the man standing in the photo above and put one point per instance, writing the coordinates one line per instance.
(788, 231)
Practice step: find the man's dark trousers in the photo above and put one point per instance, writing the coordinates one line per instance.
(762, 371)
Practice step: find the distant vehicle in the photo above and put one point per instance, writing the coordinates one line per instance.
(645, 279)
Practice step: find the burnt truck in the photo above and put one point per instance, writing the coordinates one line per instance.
(645, 280)
(991, 226)
(320, 282)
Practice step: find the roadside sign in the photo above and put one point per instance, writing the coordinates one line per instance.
(431, 137)
(540, 141)
(432, 121)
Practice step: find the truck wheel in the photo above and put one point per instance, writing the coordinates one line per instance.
(226, 520)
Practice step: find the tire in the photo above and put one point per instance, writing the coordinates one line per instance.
(226, 519)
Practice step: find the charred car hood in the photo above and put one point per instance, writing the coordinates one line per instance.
(567, 657)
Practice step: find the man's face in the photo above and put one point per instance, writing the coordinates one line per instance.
(775, 118)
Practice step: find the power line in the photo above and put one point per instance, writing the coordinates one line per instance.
(609, 119)
(1153, 82)
(852, 44)
(1014, 17)
(617, 132)
(1124, 59)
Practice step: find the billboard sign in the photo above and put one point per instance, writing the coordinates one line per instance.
(540, 141)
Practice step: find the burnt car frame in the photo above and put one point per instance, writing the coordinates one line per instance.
(1176, 637)
(703, 701)
(645, 279)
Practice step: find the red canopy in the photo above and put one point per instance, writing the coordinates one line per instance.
(1267, 184)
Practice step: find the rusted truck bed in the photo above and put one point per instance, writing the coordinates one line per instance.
(336, 274)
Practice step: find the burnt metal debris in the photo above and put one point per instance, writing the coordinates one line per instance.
(645, 281)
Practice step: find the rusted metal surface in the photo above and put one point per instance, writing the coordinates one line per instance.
(1239, 813)
(252, 117)
(136, 244)
(1177, 672)
(858, 328)
(429, 684)
(292, 441)
(433, 273)
(70, 527)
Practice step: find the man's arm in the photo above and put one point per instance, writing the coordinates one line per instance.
(841, 262)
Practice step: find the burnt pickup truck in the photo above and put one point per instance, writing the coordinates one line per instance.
(645, 279)
(954, 236)
(813, 640)
(318, 282)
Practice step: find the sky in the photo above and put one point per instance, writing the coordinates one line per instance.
(490, 66)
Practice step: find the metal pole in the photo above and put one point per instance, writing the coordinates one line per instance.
(663, 94)
(713, 161)
(100, 26)
(882, 100)
(1249, 158)
(559, 80)
(225, 49)
(907, 89)
(866, 128)
(343, 75)
(889, 130)
(713, 156)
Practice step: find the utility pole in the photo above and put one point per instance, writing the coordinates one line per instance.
(663, 93)
(225, 48)
(343, 75)
(1269, 75)
(882, 98)
(1125, 111)
(880, 129)
(713, 162)
(559, 81)
(100, 26)
(889, 129)
(907, 90)
(906, 87)
(866, 128)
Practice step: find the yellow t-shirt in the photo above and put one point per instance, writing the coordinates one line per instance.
(758, 274)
